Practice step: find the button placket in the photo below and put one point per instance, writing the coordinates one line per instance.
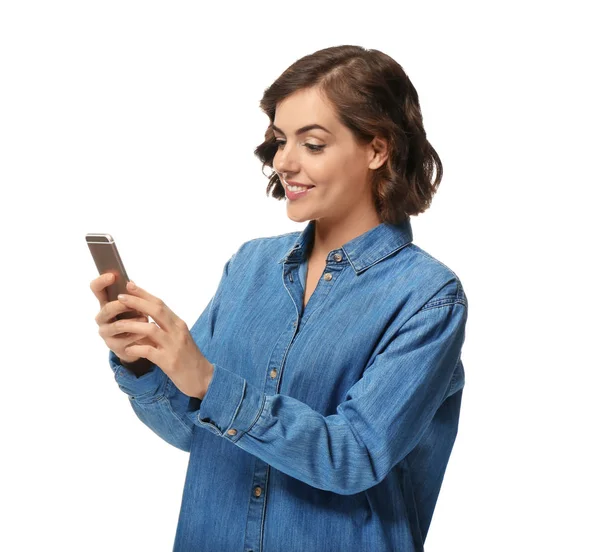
(327, 276)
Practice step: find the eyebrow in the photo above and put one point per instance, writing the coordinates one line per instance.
(302, 130)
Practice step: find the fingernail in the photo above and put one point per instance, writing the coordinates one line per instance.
(132, 285)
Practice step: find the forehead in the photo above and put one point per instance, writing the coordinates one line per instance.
(303, 107)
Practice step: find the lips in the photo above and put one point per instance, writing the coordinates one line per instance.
(293, 196)
(292, 183)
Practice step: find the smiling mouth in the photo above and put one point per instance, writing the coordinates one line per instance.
(299, 187)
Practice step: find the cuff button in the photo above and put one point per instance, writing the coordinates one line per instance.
(231, 432)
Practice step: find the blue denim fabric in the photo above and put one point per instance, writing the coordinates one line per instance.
(325, 428)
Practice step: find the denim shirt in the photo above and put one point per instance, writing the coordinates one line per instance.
(324, 428)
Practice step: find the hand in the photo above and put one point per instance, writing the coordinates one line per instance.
(115, 340)
(173, 349)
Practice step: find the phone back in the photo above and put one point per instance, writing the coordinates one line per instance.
(106, 256)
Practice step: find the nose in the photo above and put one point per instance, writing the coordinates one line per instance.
(284, 163)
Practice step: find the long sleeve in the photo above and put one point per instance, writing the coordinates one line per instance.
(384, 414)
(156, 402)
(155, 399)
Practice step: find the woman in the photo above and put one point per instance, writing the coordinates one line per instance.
(319, 392)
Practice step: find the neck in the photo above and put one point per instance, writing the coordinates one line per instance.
(332, 235)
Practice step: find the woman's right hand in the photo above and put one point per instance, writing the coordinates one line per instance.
(116, 342)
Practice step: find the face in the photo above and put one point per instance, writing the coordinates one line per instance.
(327, 158)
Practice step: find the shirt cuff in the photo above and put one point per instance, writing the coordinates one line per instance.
(230, 407)
(150, 385)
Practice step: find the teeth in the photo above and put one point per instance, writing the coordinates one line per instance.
(297, 188)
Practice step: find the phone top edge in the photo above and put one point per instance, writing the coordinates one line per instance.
(99, 238)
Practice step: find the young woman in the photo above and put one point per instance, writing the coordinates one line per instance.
(319, 392)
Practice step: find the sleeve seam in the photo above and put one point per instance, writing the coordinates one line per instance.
(442, 302)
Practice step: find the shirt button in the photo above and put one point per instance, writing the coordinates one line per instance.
(328, 276)
(231, 432)
(273, 374)
(295, 324)
(337, 257)
(257, 491)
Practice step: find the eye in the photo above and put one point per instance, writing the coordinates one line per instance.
(311, 147)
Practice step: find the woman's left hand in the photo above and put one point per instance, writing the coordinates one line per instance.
(176, 352)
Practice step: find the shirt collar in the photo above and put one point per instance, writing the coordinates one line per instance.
(363, 251)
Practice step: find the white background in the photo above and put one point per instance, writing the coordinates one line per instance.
(140, 119)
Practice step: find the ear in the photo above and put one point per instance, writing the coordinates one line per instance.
(379, 152)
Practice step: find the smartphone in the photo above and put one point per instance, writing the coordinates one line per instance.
(106, 256)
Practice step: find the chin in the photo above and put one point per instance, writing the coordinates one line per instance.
(298, 218)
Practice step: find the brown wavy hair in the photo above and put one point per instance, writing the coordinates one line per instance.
(372, 96)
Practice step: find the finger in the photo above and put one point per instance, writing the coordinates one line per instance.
(140, 319)
(145, 351)
(143, 329)
(147, 304)
(114, 308)
(99, 285)
(134, 339)
(110, 310)
(107, 332)
(138, 291)
(123, 341)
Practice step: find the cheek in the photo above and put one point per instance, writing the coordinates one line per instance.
(354, 169)
(325, 169)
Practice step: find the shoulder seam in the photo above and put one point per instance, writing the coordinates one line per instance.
(261, 238)
(423, 253)
(278, 236)
(459, 297)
